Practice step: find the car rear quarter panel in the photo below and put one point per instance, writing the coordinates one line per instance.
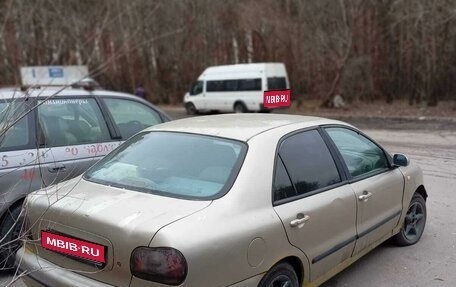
(238, 236)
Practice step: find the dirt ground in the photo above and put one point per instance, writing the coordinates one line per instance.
(379, 115)
(380, 109)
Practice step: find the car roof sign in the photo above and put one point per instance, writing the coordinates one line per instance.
(53, 75)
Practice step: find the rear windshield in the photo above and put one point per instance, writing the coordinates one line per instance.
(172, 164)
(277, 83)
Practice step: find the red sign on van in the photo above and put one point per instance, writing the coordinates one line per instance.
(277, 98)
(73, 247)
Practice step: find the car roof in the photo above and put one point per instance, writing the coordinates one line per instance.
(241, 68)
(47, 91)
(239, 126)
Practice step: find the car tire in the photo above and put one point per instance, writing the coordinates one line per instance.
(414, 222)
(191, 109)
(240, 108)
(10, 230)
(281, 274)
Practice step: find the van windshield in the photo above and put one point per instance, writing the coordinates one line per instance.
(172, 164)
(197, 88)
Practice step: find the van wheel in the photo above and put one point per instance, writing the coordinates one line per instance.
(279, 276)
(10, 230)
(240, 108)
(191, 109)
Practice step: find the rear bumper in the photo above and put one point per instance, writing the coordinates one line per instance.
(40, 272)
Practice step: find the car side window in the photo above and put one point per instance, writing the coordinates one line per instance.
(13, 135)
(309, 162)
(282, 186)
(71, 122)
(360, 154)
(131, 116)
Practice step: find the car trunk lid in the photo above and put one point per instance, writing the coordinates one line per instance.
(118, 219)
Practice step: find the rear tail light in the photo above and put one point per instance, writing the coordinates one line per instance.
(160, 264)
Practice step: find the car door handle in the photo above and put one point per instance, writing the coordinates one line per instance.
(57, 168)
(299, 221)
(365, 196)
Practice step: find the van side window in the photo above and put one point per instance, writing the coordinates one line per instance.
(71, 122)
(230, 85)
(277, 83)
(234, 85)
(197, 88)
(250, 85)
(214, 86)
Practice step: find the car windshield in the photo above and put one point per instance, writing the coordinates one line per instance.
(172, 164)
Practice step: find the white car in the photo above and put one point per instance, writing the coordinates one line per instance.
(51, 134)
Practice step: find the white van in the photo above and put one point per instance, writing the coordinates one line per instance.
(237, 88)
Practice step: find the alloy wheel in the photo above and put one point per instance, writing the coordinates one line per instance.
(281, 281)
(414, 223)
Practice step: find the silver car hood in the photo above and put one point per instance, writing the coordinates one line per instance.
(117, 218)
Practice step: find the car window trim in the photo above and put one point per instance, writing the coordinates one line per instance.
(31, 126)
(342, 244)
(112, 127)
(334, 156)
(288, 176)
(307, 194)
(350, 178)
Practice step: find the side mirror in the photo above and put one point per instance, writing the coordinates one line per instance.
(400, 160)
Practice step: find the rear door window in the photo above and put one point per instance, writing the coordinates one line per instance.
(72, 121)
(283, 188)
(309, 163)
(131, 116)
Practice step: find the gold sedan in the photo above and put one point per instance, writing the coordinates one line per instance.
(225, 200)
